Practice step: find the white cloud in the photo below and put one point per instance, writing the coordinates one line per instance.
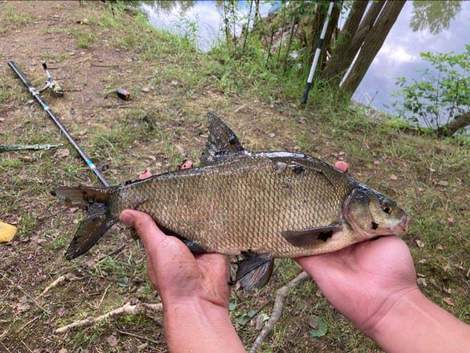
(395, 54)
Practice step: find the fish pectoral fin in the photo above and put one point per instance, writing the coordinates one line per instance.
(309, 236)
(222, 141)
(254, 271)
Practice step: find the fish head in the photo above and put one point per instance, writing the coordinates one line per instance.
(371, 214)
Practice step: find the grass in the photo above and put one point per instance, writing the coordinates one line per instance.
(84, 39)
(157, 130)
(12, 19)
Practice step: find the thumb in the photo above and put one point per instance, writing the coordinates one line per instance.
(145, 227)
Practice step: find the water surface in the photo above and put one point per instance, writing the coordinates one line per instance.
(437, 26)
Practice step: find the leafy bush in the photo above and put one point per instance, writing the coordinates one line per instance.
(442, 94)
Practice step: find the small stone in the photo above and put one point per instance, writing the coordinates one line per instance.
(420, 243)
(272, 134)
(146, 90)
(443, 183)
(393, 177)
(450, 221)
(174, 83)
(376, 162)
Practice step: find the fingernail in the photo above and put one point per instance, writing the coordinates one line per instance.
(126, 218)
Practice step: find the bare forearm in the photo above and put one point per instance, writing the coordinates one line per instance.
(200, 328)
(414, 324)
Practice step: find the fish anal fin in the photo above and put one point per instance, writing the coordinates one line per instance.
(221, 142)
(254, 271)
(310, 236)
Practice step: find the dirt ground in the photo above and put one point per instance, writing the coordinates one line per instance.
(91, 52)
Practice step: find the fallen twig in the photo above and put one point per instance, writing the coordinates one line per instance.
(281, 295)
(12, 148)
(128, 308)
(112, 253)
(137, 336)
(57, 281)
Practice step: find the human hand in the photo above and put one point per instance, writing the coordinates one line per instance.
(175, 272)
(365, 280)
(194, 289)
(178, 275)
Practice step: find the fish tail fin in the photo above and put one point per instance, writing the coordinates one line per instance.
(96, 202)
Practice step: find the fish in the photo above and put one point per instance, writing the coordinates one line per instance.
(257, 205)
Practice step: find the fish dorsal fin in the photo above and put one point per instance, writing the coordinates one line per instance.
(310, 236)
(221, 143)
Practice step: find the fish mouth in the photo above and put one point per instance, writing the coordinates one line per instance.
(399, 229)
(402, 227)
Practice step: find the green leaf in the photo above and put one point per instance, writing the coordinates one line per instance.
(319, 327)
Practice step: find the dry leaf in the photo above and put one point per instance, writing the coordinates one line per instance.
(450, 221)
(63, 350)
(447, 268)
(393, 177)
(422, 282)
(443, 183)
(448, 301)
(62, 153)
(112, 340)
(7, 232)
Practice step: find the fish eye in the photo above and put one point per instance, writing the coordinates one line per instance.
(387, 209)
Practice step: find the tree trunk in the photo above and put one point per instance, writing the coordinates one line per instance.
(372, 44)
(289, 43)
(341, 63)
(345, 38)
(329, 32)
(459, 122)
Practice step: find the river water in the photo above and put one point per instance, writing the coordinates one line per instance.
(444, 27)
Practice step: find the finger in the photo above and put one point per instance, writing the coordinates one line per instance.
(145, 227)
(341, 165)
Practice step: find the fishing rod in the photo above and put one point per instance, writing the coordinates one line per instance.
(317, 54)
(36, 95)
